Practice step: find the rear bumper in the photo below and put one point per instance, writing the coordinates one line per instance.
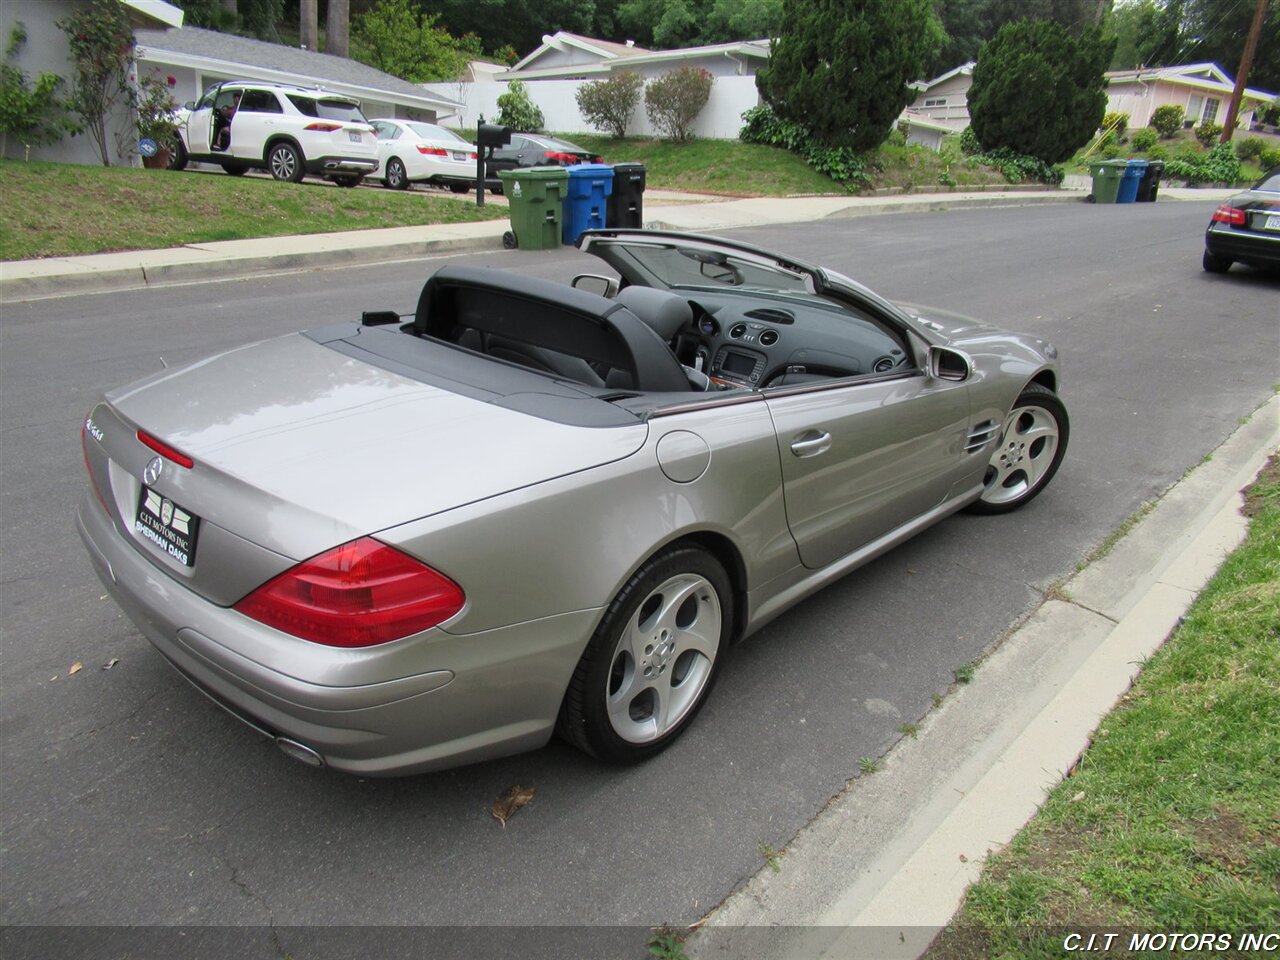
(1246, 246)
(428, 701)
(329, 165)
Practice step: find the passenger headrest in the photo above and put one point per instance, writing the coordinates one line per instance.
(664, 312)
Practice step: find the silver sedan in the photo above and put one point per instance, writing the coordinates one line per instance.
(526, 508)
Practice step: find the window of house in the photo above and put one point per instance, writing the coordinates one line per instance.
(1210, 110)
(936, 102)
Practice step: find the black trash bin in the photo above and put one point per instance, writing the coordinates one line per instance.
(1149, 185)
(626, 203)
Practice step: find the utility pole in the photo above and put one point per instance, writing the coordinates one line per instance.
(1246, 61)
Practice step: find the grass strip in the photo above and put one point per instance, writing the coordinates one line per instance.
(1171, 821)
(58, 209)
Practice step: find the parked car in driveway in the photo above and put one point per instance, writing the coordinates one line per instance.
(403, 543)
(1246, 229)
(288, 131)
(414, 152)
(538, 150)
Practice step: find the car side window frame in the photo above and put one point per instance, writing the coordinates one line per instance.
(270, 102)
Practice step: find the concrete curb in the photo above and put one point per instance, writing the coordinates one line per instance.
(886, 865)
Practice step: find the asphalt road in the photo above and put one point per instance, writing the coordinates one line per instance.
(129, 799)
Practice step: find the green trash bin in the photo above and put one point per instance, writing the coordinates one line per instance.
(536, 197)
(1107, 176)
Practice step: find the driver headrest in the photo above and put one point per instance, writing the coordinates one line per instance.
(664, 312)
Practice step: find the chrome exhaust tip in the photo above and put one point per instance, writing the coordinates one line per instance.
(299, 751)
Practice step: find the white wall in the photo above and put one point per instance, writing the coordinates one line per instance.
(721, 118)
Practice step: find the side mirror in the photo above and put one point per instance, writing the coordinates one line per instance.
(492, 135)
(945, 364)
(594, 283)
(189, 105)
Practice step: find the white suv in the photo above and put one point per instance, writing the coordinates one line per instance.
(288, 131)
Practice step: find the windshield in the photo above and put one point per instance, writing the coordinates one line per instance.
(433, 132)
(699, 268)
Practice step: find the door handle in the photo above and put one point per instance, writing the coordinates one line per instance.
(811, 443)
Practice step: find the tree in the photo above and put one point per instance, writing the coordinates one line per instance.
(101, 43)
(675, 99)
(1038, 90)
(610, 103)
(32, 113)
(517, 111)
(398, 38)
(841, 68)
(337, 28)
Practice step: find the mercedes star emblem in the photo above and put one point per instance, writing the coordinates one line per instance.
(152, 472)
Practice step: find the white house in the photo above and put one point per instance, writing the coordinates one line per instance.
(564, 61)
(945, 99)
(47, 51)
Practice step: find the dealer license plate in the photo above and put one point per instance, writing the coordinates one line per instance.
(168, 527)
(355, 135)
(1272, 222)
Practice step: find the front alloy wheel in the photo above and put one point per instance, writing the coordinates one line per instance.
(1031, 448)
(653, 659)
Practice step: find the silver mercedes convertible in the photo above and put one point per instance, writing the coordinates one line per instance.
(529, 508)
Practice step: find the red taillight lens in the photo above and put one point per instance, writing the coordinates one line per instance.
(356, 595)
(564, 158)
(323, 127)
(166, 451)
(598, 160)
(432, 151)
(473, 156)
(1229, 214)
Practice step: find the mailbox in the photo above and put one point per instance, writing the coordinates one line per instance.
(492, 135)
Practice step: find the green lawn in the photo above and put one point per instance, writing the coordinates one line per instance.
(1172, 820)
(55, 209)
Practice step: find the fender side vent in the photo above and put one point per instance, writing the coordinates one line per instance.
(980, 434)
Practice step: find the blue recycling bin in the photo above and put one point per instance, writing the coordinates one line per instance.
(1133, 173)
(586, 199)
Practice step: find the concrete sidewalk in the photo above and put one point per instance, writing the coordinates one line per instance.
(884, 867)
(230, 259)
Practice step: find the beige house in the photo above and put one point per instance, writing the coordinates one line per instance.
(568, 56)
(945, 99)
(1201, 89)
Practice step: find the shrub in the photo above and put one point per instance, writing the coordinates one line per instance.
(1157, 153)
(674, 100)
(842, 164)
(1219, 165)
(1117, 122)
(102, 51)
(517, 111)
(897, 136)
(1110, 151)
(1207, 133)
(1250, 148)
(1144, 139)
(1269, 158)
(32, 112)
(1167, 120)
(969, 142)
(1020, 167)
(609, 103)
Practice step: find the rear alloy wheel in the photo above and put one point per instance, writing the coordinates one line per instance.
(653, 660)
(285, 162)
(1031, 448)
(396, 178)
(1214, 263)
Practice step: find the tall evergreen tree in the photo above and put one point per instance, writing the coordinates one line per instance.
(840, 68)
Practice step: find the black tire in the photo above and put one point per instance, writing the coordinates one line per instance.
(509, 240)
(235, 170)
(496, 191)
(460, 187)
(680, 605)
(178, 158)
(348, 182)
(284, 161)
(1020, 468)
(395, 176)
(1214, 263)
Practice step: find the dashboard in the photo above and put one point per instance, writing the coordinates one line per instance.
(754, 340)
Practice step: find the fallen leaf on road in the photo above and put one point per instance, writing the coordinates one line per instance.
(110, 663)
(505, 806)
(963, 858)
(53, 678)
(1078, 797)
(75, 668)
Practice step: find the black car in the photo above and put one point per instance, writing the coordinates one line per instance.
(538, 150)
(1246, 229)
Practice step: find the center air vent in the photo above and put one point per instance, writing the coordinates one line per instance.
(737, 331)
(771, 315)
(768, 338)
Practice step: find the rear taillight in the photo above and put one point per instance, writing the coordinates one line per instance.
(597, 160)
(323, 127)
(166, 451)
(553, 156)
(356, 595)
(1229, 214)
(432, 151)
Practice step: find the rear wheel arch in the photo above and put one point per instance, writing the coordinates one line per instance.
(725, 551)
